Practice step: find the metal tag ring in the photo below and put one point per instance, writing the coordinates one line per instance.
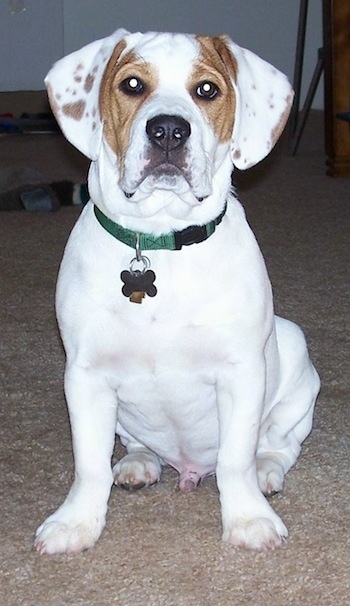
(145, 264)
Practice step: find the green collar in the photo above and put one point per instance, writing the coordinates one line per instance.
(172, 241)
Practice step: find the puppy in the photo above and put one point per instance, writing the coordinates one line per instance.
(163, 299)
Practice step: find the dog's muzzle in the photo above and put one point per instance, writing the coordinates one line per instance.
(167, 161)
(167, 153)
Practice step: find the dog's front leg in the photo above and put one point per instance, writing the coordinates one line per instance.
(78, 523)
(248, 519)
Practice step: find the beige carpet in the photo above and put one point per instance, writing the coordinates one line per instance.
(162, 547)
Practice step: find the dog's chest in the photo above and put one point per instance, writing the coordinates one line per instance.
(154, 358)
(165, 385)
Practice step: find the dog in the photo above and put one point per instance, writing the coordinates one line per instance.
(163, 299)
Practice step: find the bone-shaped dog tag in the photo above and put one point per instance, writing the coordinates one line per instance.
(137, 284)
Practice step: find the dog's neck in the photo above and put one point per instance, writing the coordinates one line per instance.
(162, 211)
(174, 240)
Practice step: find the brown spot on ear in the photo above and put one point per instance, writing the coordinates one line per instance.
(237, 154)
(217, 64)
(74, 110)
(89, 82)
(277, 131)
(117, 109)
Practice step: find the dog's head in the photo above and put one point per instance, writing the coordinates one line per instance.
(168, 112)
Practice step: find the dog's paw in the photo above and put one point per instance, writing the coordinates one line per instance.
(270, 474)
(58, 534)
(259, 534)
(137, 470)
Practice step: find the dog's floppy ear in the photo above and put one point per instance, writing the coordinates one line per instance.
(263, 101)
(73, 86)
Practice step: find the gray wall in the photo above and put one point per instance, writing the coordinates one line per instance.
(31, 40)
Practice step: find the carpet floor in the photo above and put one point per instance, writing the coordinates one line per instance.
(161, 547)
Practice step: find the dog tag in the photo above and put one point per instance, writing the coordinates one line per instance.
(139, 280)
(138, 283)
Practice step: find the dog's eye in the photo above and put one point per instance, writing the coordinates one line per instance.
(207, 90)
(132, 86)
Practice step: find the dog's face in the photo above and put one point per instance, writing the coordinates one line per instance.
(167, 113)
(167, 105)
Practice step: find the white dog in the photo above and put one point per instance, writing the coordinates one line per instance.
(163, 299)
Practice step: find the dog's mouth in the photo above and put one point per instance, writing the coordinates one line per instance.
(165, 176)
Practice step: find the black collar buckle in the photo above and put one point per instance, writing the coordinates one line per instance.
(191, 235)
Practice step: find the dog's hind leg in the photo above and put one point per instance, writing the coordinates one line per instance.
(271, 468)
(139, 468)
(289, 420)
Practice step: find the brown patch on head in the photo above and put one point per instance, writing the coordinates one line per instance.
(118, 106)
(216, 64)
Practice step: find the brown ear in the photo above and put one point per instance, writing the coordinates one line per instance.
(263, 101)
(73, 86)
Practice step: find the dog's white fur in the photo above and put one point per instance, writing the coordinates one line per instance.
(203, 376)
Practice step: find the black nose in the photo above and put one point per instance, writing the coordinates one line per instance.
(168, 132)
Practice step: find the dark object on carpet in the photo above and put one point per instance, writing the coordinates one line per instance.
(28, 123)
(44, 197)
